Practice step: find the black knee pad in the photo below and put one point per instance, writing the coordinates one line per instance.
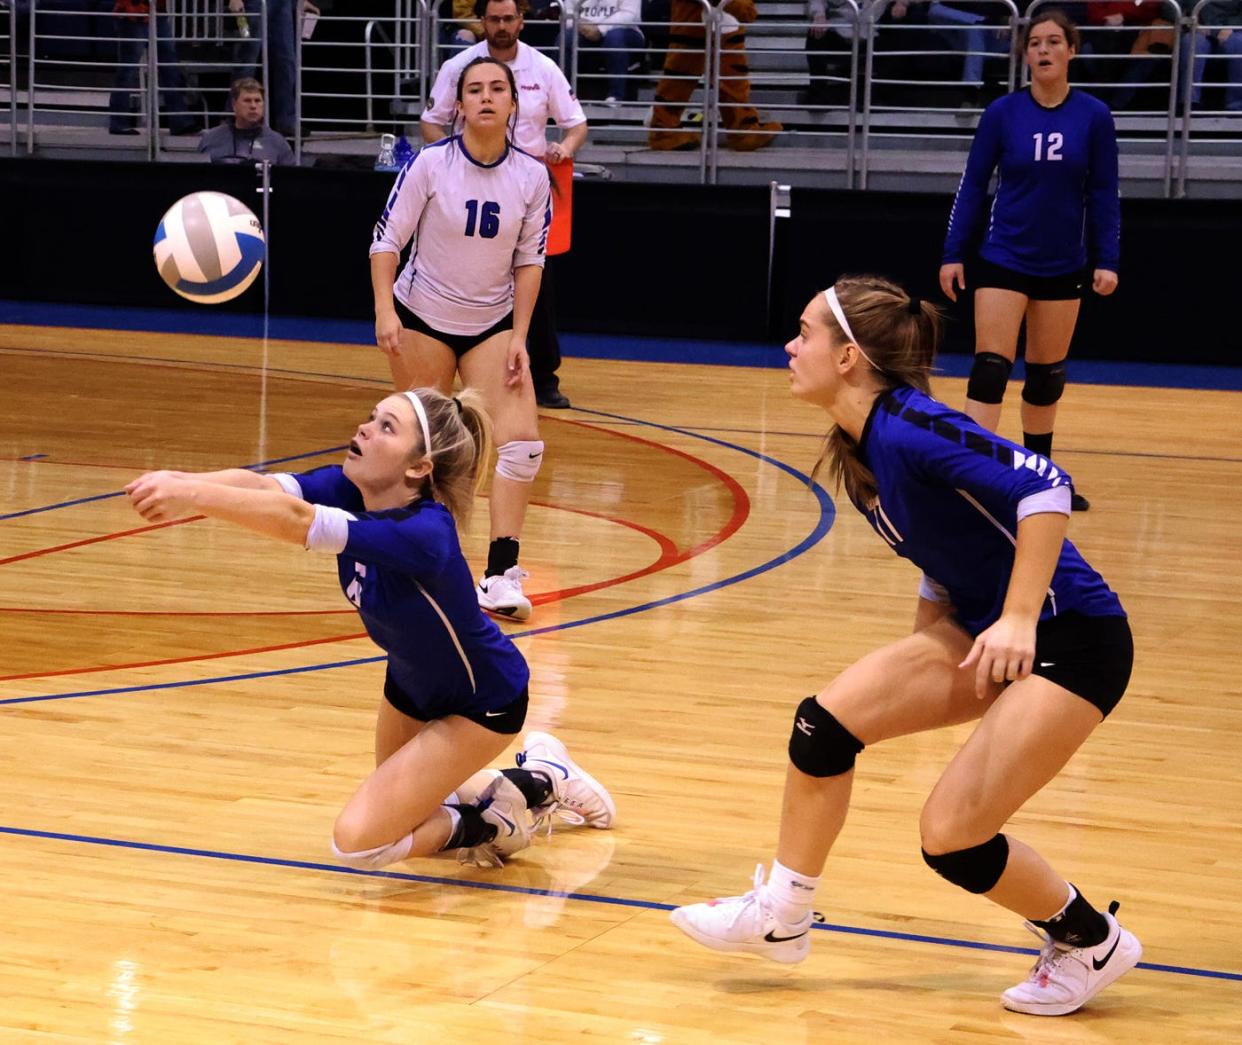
(977, 869)
(1044, 383)
(819, 745)
(988, 376)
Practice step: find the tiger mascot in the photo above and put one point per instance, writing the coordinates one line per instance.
(683, 65)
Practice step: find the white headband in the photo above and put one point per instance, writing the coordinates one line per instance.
(830, 295)
(421, 413)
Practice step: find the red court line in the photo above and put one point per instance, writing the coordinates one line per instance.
(669, 556)
(182, 660)
(96, 540)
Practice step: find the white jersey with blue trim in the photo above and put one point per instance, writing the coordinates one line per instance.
(404, 572)
(950, 495)
(472, 225)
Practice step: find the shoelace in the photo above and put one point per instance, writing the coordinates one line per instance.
(745, 901)
(542, 817)
(1050, 955)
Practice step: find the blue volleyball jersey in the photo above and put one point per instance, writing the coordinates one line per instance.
(1056, 206)
(950, 494)
(404, 572)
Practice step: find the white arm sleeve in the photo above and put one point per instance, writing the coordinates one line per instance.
(563, 107)
(289, 484)
(533, 239)
(1055, 500)
(442, 101)
(404, 207)
(330, 530)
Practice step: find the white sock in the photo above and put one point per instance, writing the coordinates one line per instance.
(789, 893)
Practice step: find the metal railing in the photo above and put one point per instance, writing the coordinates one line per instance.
(8, 79)
(872, 92)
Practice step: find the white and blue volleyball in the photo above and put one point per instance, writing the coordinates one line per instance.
(209, 247)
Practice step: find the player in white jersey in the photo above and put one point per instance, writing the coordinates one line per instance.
(455, 688)
(1013, 628)
(544, 94)
(478, 210)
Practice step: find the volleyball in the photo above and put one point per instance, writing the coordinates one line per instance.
(209, 247)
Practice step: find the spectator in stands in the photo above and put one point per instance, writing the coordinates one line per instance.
(463, 27)
(968, 32)
(683, 65)
(1219, 23)
(829, 42)
(612, 25)
(281, 77)
(543, 91)
(1141, 29)
(909, 55)
(243, 138)
(132, 26)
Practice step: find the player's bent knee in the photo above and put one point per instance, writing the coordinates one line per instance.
(819, 745)
(520, 459)
(977, 869)
(374, 859)
(989, 374)
(1045, 383)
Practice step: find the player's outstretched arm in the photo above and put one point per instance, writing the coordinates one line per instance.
(242, 478)
(163, 496)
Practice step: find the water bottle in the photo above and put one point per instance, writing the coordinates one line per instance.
(243, 27)
(385, 161)
(402, 152)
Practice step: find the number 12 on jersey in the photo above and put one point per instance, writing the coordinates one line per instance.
(488, 220)
(1055, 141)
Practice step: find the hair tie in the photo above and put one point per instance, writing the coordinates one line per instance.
(915, 306)
(457, 403)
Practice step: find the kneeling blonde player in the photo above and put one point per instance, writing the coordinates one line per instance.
(456, 687)
(478, 209)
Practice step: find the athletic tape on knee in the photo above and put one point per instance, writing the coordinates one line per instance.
(1045, 382)
(520, 459)
(989, 374)
(819, 745)
(380, 856)
(977, 869)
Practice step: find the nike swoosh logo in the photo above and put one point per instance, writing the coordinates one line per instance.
(513, 830)
(1096, 964)
(1047, 663)
(797, 936)
(492, 714)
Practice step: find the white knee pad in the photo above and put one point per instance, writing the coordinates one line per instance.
(380, 856)
(520, 459)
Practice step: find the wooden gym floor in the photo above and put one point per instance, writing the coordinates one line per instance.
(184, 708)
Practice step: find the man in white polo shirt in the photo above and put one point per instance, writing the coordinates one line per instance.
(543, 92)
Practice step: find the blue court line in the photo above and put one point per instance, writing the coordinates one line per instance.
(121, 493)
(194, 320)
(524, 890)
(827, 515)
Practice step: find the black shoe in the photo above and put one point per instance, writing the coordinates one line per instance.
(553, 398)
(1079, 503)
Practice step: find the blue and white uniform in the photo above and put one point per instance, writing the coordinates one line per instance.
(1057, 206)
(950, 495)
(404, 572)
(472, 224)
